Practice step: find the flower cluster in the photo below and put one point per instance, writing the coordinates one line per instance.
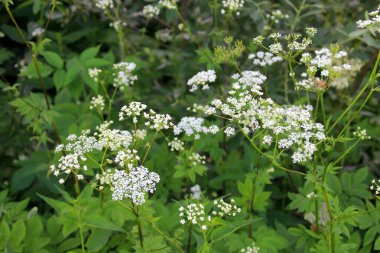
(225, 209)
(168, 4)
(375, 187)
(195, 214)
(152, 119)
(277, 15)
(176, 145)
(94, 73)
(202, 80)
(289, 45)
(229, 131)
(249, 80)
(195, 192)
(291, 126)
(373, 22)
(361, 134)
(197, 159)
(97, 103)
(231, 6)
(251, 249)
(134, 184)
(264, 58)
(151, 11)
(37, 31)
(191, 126)
(104, 4)
(330, 63)
(134, 110)
(123, 76)
(77, 149)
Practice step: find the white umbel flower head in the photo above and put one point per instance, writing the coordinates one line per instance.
(134, 185)
(97, 103)
(123, 76)
(202, 80)
(151, 11)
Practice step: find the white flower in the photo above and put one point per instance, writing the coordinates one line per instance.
(134, 185)
(229, 131)
(61, 181)
(123, 76)
(104, 4)
(196, 192)
(176, 145)
(197, 159)
(94, 73)
(264, 58)
(361, 134)
(134, 109)
(202, 80)
(232, 6)
(373, 22)
(169, 4)
(151, 11)
(37, 32)
(97, 103)
(191, 126)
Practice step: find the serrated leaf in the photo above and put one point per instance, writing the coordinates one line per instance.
(102, 222)
(53, 59)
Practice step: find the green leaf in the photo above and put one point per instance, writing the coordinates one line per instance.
(98, 239)
(53, 59)
(377, 244)
(99, 221)
(59, 206)
(59, 78)
(89, 53)
(30, 70)
(18, 233)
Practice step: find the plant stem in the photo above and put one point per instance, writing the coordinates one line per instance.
(189, 239)
(370, 81)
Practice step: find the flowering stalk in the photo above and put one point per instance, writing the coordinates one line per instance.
(370, 81)
(189, 238)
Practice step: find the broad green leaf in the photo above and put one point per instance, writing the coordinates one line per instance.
(53, 59)
(99, 221)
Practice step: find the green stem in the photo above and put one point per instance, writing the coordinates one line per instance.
(189, 239)
(370, 81)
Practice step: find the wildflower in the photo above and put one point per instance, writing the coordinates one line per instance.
(251, 249)
(94, 73)
(104, 4)
(375, 187)
(123, 76)
(231, 6)
(197, 159)
(277, 15)
(151, 11)
(157, 121)
(264, 58)
(194, 214)
(134, 109)
(134, 185)
(223, 208)
(176, 145)
(229, 131)
(37, 32)
(97, 103)
(196, 192)
(361, 134)
(168, 4)
(202, 80)
(191, 126)
(373, 22)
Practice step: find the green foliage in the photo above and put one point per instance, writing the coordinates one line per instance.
(58, 78)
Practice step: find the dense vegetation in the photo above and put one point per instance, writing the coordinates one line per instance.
(189, 126)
